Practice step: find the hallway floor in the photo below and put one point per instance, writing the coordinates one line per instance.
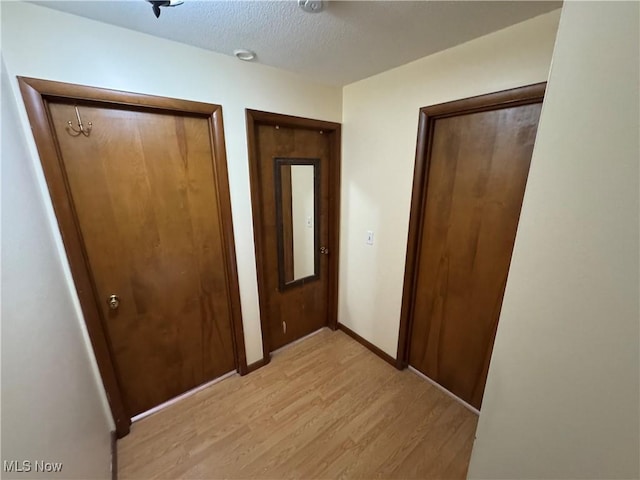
(323, 408)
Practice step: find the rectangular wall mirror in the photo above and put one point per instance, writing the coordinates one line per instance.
(297, 209)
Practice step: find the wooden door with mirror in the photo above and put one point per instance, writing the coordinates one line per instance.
(471, 170)
(294, 165)
(142, 200)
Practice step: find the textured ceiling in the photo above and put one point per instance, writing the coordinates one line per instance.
(348, 41)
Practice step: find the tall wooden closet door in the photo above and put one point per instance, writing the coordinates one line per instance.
(477, 171)
(297, 302)
(294, 166)
(144, 193)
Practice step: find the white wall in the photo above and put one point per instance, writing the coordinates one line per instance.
(44, 43)
(380, 122)
(52, 402)
(562, 395)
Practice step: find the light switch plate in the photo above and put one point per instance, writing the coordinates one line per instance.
(369, 237)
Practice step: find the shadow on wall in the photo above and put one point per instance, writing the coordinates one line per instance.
(52, 409)
(372, 263)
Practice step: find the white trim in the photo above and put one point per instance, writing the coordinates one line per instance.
(297, 341)
(444, 390)
(180, 397)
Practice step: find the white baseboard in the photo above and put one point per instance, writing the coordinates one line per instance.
(444, 390)
(191, 392)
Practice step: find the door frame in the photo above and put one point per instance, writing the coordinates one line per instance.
(333, 130)
(36, 94)
(514, 97)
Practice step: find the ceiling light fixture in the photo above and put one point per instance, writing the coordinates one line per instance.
(244, 54)
(311, 6)
(156, 4)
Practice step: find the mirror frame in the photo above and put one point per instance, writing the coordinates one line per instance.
(315, 163)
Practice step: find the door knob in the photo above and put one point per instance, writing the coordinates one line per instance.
(324, 250)
(114, 302)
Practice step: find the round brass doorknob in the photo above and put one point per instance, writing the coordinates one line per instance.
(114, 302)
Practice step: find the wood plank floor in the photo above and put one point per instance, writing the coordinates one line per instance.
(323, 408)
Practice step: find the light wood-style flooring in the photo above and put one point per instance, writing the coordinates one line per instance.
(323, 408)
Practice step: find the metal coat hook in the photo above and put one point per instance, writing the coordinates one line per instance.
(82, 130)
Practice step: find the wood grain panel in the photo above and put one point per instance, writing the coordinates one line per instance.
(304, 307)
(37, 95)
(143, 189)
(478, 167)
(323, 408)
(330, 174)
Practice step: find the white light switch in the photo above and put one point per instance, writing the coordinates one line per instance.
(309, 222)
(369, 237)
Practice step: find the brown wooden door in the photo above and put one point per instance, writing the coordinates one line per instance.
(143, 189)
(290, 312)
(477, 171)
